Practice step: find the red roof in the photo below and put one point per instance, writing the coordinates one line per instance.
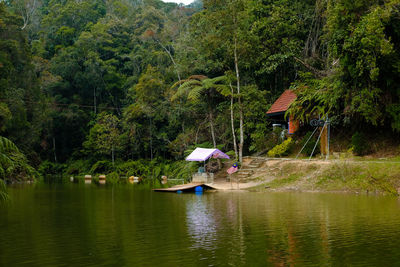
(283, 102)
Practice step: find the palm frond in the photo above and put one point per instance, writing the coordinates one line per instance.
(6, 145)
(195, 93)
(185, 88)
(219, 79)
(198, 77)
(178, 83)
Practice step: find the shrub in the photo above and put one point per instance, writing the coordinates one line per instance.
(134, 167)
(308, 149)
(112, 178)
(281, 149)
(78, 166)
(359, 144)
(266, 140)
(183, 169)
(50, 168)
(102, 166)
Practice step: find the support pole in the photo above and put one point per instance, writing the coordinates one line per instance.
(329, 136)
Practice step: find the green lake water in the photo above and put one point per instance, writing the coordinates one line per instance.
(89, 225)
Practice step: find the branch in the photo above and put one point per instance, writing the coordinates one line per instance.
(171, 57)
(316, 72)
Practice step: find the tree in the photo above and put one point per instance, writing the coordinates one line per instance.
(359, 74)
(26, 9)
(148, 103)
(220, 33)
(104, 136)
(199, 88)
(21, 97)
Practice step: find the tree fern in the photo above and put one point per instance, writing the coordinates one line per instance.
(195, 94)
(7, 145)
(13, 164)
(199, 88)
(184, 88)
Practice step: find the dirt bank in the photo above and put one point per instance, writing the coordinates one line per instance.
(349, 175)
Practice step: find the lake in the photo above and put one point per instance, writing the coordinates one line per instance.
(89, 225)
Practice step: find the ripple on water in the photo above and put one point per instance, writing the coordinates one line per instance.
(92, 226)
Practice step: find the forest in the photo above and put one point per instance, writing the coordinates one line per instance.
(129, 86)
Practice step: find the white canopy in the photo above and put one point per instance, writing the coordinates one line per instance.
(202, 154)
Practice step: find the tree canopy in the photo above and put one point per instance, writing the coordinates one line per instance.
(93, 79)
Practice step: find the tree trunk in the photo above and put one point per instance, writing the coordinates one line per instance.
(54, 149)
(233, 124)
(172, 59)
(240, 104)
(151, 140)
(112, 155)
(94, 100)
(212, 128)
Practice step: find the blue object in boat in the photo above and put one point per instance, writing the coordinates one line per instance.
(179, 191)
(198, 189)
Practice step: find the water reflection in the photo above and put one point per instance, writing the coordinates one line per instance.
(50, 226)
(201, 222)
(291, 229)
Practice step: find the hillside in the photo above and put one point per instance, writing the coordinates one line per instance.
(93, 85)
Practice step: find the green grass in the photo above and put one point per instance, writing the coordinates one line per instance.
(292, 178)
(346, 176)
(365, 177)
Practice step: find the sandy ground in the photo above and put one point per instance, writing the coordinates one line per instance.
(234, 185)
(271, 169)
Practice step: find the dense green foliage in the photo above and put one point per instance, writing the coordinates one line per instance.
(308, 143)
(353, 63)
(86, 83)
(359, 143)
(13, 164)
(3, 192)
(281, 149)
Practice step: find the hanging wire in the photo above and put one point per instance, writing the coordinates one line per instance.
(316, 143)
(306, 142)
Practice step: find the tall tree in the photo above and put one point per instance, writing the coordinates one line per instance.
(104, 136)
(147, 108)
(199, 88)
(27, 9)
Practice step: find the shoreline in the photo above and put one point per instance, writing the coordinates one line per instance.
(332, 176)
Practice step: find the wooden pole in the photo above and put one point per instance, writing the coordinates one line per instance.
(324, 140)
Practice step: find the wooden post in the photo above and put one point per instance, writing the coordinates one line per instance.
(324, 141)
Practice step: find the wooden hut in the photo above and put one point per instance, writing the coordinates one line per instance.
(278, 109)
